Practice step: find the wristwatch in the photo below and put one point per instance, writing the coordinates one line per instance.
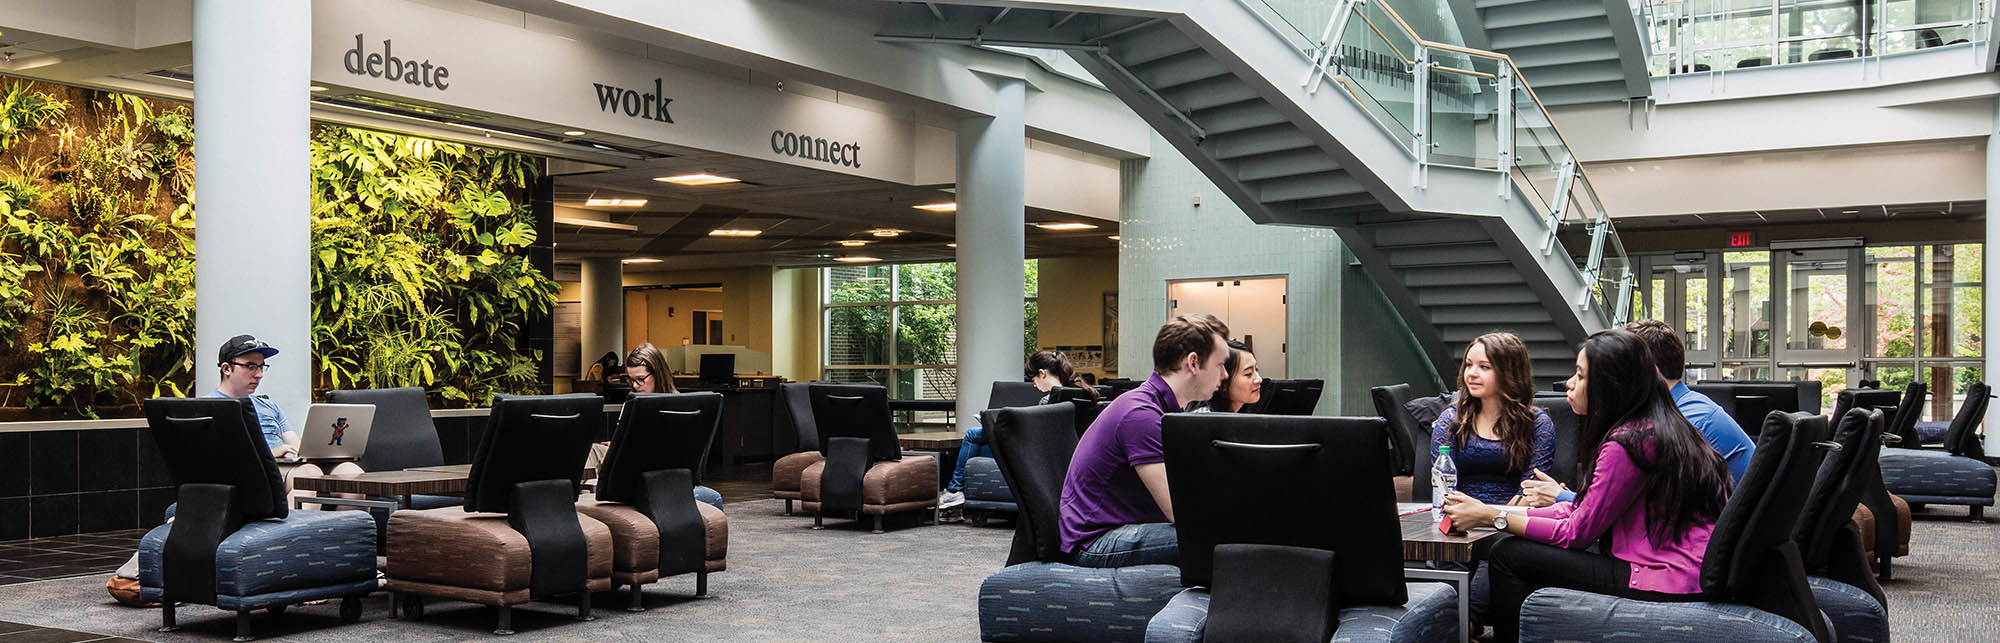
(1500, 521)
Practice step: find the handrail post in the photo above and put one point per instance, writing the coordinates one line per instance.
(1625, 297)
(1594, 267)
(1503, 87)
(1329, 42)
(1420, 118)
(1554, 223)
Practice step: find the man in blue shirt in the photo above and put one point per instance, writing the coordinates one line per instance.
(1715, 425)
(242, 362)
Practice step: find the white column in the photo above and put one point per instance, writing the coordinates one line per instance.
(252, 232)
(603, 310)
(992, 211)
(1992, 270)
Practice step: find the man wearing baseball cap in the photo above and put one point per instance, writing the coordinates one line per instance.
(242, 362)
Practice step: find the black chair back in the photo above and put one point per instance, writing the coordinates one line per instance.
(1911, 407)
(1287, 397)
(1032, 446)
(1010, 393)
(1403, 431)
(218, 441)
(1751, 557)
(531, 438)
(1087, 412)
(1862, 398)
(1425, 410)
(1960, 440)
(1562, 463)
(798, 406)
(856, 411)
(1119, 386)
(1828, 546)
(655, 432)
(404, 436)
(1240, 479)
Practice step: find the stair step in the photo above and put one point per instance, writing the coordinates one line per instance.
(1427, 233)
(1263, 140)
(1180, 69)
(1475, 295)
(1298, 162)
(1549, 33)
(1489, 314)
(1577, 94)
(1610, 71)
(1564, 54)
(1310, 186)
(1538, 12)
(1362, 201)
(1527, 332)
(1149, 44)
(1445, 255)
(1473, 275)
(1236, 117)
(1209, 93)
(1393, 217)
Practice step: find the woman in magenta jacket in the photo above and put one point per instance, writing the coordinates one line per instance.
(1654, 488)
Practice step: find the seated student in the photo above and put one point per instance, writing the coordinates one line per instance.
(1651, 486)
(1497, 436)
(1243, 387)
(646, 370)
(242, 360)
(1049, 371)
(1115, 510)
(1715, 425)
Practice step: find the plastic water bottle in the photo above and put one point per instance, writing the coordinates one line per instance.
(1444, 480)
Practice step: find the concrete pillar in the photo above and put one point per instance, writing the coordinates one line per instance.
(252, 229)
(1992, 269)
(992, 189)
(603, 310)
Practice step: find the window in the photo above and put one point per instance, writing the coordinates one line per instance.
(897, 325)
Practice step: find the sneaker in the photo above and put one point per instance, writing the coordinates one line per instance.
(950, 499)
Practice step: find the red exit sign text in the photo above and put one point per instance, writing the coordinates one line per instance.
(1742, 239)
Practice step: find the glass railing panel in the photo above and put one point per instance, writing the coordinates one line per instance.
(1713, 35)
(1300, 22)
(1374, 59)
(1538, 153)
(1816, 49)
(1463, 103)
(1925, 37)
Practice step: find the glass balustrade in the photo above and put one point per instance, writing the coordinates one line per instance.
(1716, 35)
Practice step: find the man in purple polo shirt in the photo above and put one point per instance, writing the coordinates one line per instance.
(1115, 508)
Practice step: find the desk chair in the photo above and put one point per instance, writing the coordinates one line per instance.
(234, 543)
(645, 493)
(864, 471)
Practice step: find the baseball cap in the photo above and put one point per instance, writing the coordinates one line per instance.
(241, 344)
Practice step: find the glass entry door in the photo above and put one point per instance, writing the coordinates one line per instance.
(1818, 307)
(1679, 294)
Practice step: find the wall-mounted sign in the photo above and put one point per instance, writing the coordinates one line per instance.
(385, 65)
(813, 148)
(650, 106)
(1742, 239)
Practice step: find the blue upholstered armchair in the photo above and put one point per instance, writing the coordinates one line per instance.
(1955, 476)
(233, 543)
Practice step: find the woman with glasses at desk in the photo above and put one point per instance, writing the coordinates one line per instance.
(646, 370)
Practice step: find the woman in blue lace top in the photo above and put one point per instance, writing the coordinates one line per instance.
(1497, 436)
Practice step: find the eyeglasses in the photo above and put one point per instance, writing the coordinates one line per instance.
(639, 378)
(253, 367)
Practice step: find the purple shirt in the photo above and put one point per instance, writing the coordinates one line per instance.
(1616, 506)
(1102, 490)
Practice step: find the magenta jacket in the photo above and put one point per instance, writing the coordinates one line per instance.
(1616, 505)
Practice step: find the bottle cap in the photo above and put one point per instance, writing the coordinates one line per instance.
(1444, 449)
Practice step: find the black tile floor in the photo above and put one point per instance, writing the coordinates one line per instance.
(24, 561)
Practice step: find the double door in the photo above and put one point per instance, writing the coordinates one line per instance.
(1791, 314)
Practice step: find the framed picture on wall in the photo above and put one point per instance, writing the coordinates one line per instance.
(1111, 332)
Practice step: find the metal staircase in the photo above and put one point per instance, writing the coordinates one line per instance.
(1577, 51)
(1459, 200)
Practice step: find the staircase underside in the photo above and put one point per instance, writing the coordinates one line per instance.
(1570, 51)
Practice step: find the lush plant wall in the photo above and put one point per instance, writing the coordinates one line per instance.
(96, 248)
(419, 274)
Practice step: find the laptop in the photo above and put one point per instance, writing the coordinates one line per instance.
(336, 431)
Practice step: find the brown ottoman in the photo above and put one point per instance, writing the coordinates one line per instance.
(786, 474)
(475, 557)
(635, 543)
(892, 486)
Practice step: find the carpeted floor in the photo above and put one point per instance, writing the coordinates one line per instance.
(914, 583)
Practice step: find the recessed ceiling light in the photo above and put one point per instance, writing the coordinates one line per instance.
(1850, 211)
(727, 232)
(855, 243)
(640, 260)
(856, 259)
(696, 179)
(1113, 237)
(574, 132)
(951, 245)
(886, 232)
(614, 203)
(317, 88)
(938, 207)
(1065, 226)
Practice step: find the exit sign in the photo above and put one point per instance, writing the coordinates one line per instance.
(1742, 239)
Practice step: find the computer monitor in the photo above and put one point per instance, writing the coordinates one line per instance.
(718, 367)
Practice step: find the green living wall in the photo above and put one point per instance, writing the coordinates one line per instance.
(419, 271)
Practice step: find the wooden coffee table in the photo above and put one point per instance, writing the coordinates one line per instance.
(1422, 541)
(401, 486)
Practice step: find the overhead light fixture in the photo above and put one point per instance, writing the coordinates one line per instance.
(856, 259)
(938, 207)
(886, 232)
(951, 245)
(613, 203)
(728, 232)
(594, 223)
(855, 243)
(1113, 237)
(1065, 226)
(640, 260)
(696, 179)
(573, 132)
(1850, 212)
(317, 88)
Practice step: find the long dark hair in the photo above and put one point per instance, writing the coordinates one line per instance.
(1514, 375)
(1220, 401)
(648, 356)
(1057, 364)
(1626, 401)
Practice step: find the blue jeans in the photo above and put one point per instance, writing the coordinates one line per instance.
(1153, 543)
(974, 446)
